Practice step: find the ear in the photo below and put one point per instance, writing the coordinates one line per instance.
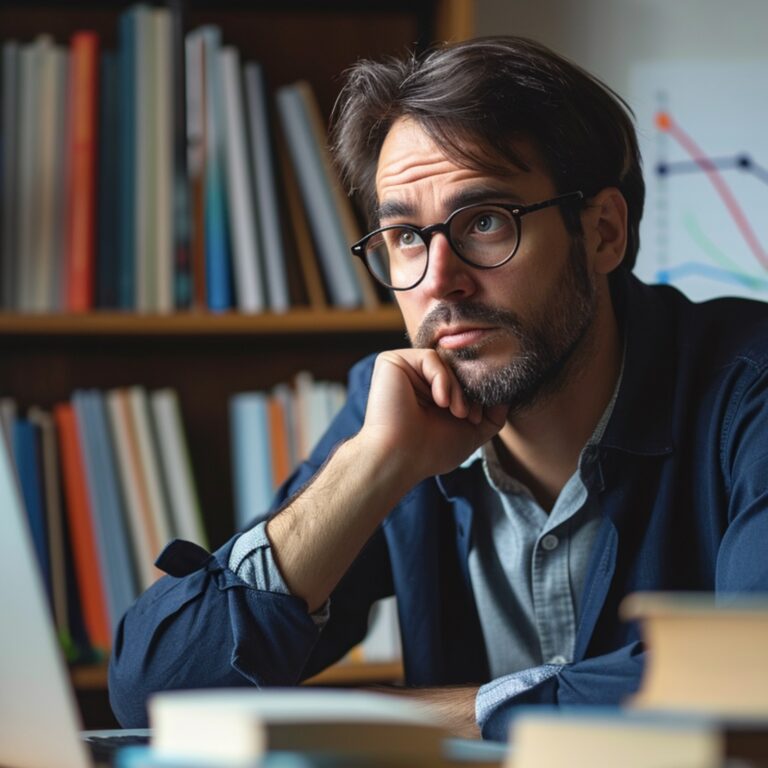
(604, 221)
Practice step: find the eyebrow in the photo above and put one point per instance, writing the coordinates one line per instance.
(400, 209)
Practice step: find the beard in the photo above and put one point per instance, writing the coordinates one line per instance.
(552, 342)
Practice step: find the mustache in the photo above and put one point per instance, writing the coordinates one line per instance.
(449, 314)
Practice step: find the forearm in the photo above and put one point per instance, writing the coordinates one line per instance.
(319, 533)
(453, 705)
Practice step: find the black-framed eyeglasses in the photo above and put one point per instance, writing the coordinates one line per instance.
(483, 235)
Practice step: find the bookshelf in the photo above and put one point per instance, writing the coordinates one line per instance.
(207, 357)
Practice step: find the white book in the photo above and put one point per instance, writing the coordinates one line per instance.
(318, 199)
(264, 177)
(346, 727)
(141, 525)
(177, 467)
(150, 464)
(249, 283)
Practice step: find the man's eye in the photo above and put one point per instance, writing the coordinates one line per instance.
(488, 222)
(407, 238)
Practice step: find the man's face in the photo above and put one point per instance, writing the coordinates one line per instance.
(511, 333)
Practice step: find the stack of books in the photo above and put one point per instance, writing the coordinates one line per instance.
(107, 482)
(164, 175)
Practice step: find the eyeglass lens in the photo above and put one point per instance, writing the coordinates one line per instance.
(485, 236)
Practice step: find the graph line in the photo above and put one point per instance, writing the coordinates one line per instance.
(664, 122)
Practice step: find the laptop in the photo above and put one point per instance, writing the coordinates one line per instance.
(39, 719)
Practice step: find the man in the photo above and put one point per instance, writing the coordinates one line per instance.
(558, 435)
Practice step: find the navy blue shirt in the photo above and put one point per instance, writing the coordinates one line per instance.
(680, 476)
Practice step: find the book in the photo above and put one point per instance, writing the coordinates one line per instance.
(251, 456)
(544, 737)
(182, 264)
(81, 188)
(9, 163)
(176, 467)
(239, 725)
(127, 140)
(145, 158)
(54, 518)
(350, 227)
(26, 255)
(108, 271)
(262, 157)
(162, 173)
(246, 247)
(312, 290)
(46, 197)
(141, 524)
(706, 654)
(87, 565)
(194, 46)
(149, 462)
(26, 454)
(316, 193)
(218, 276)
(106, 504)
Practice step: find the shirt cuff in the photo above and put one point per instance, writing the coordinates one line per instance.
(502, 689)
(252, 560)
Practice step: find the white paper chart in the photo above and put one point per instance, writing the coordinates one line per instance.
(703, 129)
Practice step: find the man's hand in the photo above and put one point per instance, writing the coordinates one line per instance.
(418, 414)
(454, 706)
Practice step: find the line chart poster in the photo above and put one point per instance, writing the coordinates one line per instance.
(703, 130)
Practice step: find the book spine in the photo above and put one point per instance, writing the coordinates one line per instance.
(196, 160)
(82, 181)
(10, 171)
(217, 247)
(126, 190)
(251, 456)
(107, 263)
(88, 570)
(318, 200)
(249, 283)
(182, 258)
(265, 185)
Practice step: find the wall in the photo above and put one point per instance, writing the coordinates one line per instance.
(608, 36)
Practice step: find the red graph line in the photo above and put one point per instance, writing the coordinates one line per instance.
(665, 122)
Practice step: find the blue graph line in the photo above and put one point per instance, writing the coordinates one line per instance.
(739, 162)
(698, 269)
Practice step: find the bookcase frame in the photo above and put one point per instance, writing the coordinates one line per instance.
(207, 357)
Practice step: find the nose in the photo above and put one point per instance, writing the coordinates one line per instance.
(447, 275)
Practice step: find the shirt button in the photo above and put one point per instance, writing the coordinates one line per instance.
(550, 542)
(558, 660)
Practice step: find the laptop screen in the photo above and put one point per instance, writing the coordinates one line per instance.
(39, 720)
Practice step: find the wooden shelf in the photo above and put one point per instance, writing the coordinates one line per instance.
(93, 677)
(202, 323)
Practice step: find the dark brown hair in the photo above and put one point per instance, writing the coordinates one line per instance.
(475, 99)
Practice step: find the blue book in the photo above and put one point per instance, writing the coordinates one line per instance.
(106, 503)
(217, 245)
(146, 757)
(26, 451)
(126, 140)
(251, 456)
(108, 270)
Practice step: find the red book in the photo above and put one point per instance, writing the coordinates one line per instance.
(90, 584)
(80, 261)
